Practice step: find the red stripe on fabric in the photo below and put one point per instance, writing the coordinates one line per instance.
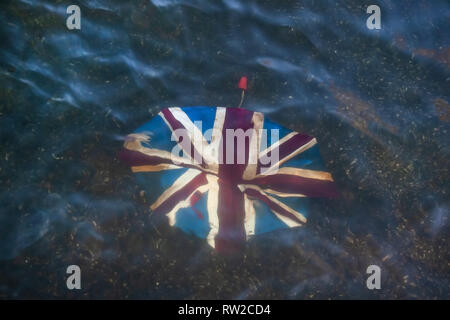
(294, 184)
(288, 147)
(231, 213)
(235, 118)
(273, 206)
(293, 144)
(231, 209)
(181, 194)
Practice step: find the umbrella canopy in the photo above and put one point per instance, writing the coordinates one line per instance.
(226, 174)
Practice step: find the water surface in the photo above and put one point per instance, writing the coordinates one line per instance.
(377, 101)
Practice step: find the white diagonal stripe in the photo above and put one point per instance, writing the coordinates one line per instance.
(213, 209)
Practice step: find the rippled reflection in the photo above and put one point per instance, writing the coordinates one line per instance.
(378, 101)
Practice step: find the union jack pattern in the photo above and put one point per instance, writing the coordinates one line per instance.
(226, 203)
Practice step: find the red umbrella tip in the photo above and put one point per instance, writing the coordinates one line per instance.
(243, 83)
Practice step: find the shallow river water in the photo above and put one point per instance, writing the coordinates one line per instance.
(378, 101)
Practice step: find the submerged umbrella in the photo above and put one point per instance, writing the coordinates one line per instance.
(226, 174)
